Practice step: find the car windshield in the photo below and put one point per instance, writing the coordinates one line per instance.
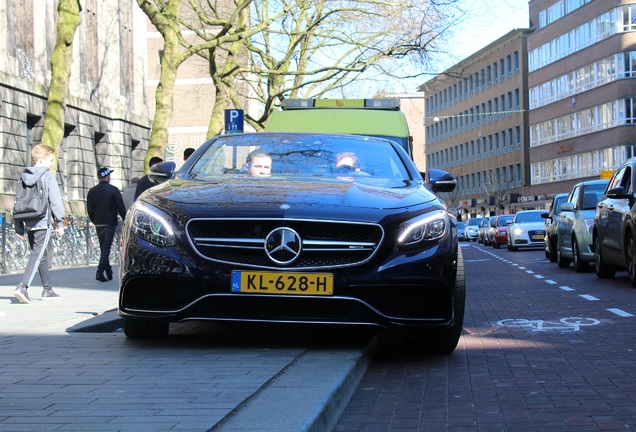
(349, 158)
(503, 221)
(525, 217)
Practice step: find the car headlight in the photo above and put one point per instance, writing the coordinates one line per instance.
(518, 231)
(151, 224)
(423, 231)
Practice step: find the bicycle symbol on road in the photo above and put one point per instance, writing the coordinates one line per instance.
(564, 325)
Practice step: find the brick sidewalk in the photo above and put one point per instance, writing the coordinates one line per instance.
(55, 377)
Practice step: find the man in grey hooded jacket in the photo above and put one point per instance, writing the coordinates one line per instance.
(38, 230)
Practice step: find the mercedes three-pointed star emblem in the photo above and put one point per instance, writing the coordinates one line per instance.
(283, 245)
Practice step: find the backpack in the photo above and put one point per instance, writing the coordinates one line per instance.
(31, 202)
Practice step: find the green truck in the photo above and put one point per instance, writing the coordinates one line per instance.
(380, 117)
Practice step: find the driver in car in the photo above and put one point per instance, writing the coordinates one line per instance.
(259, 163)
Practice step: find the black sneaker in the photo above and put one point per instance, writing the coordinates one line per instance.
(49, 294)
(109, 274)
(100, 276)
(22, 294)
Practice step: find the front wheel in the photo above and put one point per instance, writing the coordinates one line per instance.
(562, 261)
(444, 341)
(579, 264)
(552, 250)
(631, 260)
(603, 270)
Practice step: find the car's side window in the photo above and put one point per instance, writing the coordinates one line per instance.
(627, 180)
(574, 197)
(617, 180)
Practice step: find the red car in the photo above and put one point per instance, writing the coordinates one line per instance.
(498, 233)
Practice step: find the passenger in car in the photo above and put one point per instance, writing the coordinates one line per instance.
(259, 163)
(347, 161)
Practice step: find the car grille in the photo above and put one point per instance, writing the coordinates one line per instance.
(324, 244)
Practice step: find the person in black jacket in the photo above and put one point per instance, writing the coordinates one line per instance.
(145, 182)
(104, 203)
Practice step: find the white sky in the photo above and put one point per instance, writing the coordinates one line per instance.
(483, 22)
(490, 20)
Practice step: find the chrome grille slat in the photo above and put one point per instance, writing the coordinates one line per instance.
(324, 243)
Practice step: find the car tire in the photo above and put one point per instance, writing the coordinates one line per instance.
(579, 264)
(603, 270)
(630, 259)
(443, 341)
(511, 248)
(496, 245)
(552, 251)
(562, 262)
(143, 329)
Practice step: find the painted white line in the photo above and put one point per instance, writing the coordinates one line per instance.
(588, 297)
(620, 312)
(566, 288)
(529, 271)
(539, 277)
(550, 281)
(521, 268)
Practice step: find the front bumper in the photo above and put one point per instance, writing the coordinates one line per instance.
(392, 290)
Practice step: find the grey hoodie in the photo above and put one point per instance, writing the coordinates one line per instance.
(30, 176)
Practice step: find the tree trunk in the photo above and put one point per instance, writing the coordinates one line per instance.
(61, 61)
(164, 105)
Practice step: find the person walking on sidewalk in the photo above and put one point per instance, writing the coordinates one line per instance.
(39, 230)
(104, 203)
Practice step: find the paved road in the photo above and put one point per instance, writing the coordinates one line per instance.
(543, 349)
(57, 374)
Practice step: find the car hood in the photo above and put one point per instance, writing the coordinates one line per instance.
(262, 193)
(528, 225)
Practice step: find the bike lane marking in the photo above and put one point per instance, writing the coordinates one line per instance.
(620, 312)
(615, 311)
(564, 325)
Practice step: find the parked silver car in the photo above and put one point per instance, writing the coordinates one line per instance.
(575, 223)
(472, 228)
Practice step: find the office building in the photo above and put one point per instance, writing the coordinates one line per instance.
(476, 127)
(581, 70)
(106, 118)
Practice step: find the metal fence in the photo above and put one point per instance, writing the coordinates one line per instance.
(78, 246)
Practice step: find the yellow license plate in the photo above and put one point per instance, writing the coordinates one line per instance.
(252, 282)
(537, 237)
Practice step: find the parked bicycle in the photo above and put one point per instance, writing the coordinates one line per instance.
(78, 246)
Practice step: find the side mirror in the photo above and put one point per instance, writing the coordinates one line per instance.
(440, 180)
(567, 207)
(617, 192)
(545, 215)
(161, 172)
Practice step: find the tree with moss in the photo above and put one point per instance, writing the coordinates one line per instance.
(61, 61)
(169, 19)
